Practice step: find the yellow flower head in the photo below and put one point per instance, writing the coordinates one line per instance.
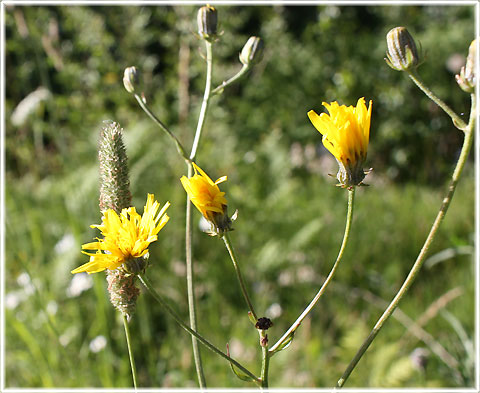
(346, 133)
(207, 198)
(126, 237)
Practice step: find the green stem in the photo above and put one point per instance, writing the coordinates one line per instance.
(296, 324)
(265, 362)
(206, 98)
(457, 120)
(238, 75)
(197, 335)
(191, 288)
(189, 220)
(164, 128)
(234, 258)
(467, 144)
(130, 353)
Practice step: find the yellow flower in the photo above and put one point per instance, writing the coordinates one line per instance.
(126, 237)
(345, 134)
(207, 198)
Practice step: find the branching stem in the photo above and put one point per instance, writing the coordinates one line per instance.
(467, 144)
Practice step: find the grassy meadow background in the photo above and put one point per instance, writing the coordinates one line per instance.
(64, 68)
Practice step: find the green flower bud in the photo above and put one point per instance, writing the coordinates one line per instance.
(207, 22)
(131, 79)
(467, 78)
(252, 51)
(402, 51)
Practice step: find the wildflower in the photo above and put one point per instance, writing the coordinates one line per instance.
(208, 199)
(345, 134)
(126, 238)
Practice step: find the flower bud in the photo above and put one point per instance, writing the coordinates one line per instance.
(131, 79)
(252, 51)
(467, 78)
(402, 51)
(207, 22)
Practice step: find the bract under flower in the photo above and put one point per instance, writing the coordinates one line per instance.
(126, 237)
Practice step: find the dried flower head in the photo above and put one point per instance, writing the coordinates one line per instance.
(126, 238)
(346, 133)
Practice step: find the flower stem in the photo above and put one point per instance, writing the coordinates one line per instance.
(164, 128)
(467, 144)
(130, 353)
(189, 221)
(457, 120)
(238, 75)
(206, 98)
(234, 258)
(296, 324)
(197, 335)
(265, 365)
(191, 288)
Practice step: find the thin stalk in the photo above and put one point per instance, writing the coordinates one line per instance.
(189, 221)
(265, 364)
(190, 287)
(206, 98)
(238, 75)
(130, 353)
(457, 120)
(296, 324)
(200, 338)
(467, 144)
(234, 258)
(164, 128)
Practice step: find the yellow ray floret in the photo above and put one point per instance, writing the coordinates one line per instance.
(345, 130)
(125, 237)
(205, 194)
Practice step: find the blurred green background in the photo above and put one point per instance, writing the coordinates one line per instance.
(64, 68)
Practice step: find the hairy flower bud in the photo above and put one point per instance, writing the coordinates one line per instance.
(252, 51)
(467, 78)
(402, 52)
(207, 22)
(131, 79)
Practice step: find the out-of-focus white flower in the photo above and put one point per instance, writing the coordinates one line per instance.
(66, 243)
(26, 283)
(52, 307)
(97, 344)
(80, 283)
(13, 299)
(274, 311)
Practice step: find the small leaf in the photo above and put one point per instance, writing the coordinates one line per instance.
(239, 374)
(252, 318)
(285, 344)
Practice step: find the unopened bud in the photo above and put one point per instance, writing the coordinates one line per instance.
(131, 79)
(252, 51)
(402, 51)
(207, 22)
(467, 78)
